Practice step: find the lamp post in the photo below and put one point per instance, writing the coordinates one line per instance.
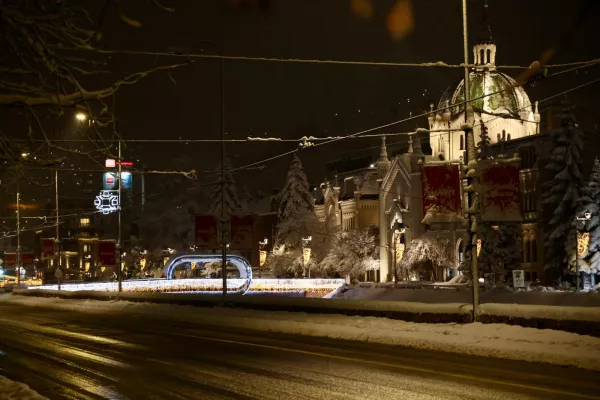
(81, 117)
(224, 217)
(586, 217)
(262, 254)
(305, 256)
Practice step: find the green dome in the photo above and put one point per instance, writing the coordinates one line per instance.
(491, 92)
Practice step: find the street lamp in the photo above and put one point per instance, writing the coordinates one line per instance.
(306, 254)
(586, 217)
(81, 116)
(262, 254)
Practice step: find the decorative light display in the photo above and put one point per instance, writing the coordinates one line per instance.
(319, 286)
(583, 242)
(262, 257)
(306, 255)
(107, 201)
(478, 247)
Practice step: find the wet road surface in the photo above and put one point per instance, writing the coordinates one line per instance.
(71, 355)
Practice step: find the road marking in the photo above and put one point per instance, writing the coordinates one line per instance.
(384, 364)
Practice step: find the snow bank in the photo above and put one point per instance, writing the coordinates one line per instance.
(561, 313)
(10, 390)
(491, 340)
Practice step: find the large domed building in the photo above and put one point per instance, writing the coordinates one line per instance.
(497, 100)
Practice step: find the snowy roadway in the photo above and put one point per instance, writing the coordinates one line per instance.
(120, 355)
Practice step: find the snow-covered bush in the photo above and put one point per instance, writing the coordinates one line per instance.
(351, 254)
(426, 255)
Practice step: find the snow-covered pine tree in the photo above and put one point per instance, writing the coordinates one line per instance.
(562, 193)
(232, 202)
(483, 147)
(295, 215)
(590, 202)
(295, 195)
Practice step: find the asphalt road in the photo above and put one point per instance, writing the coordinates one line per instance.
(65, 354)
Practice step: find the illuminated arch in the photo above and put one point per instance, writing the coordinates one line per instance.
(240, 262)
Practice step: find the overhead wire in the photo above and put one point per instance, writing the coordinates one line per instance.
(436, 64)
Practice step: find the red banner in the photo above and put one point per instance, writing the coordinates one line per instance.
(206, 232)
(107, 252)
(501, 192)
(242, 232)
(441, 188)
(27, 259)
(47, 248)
(10, 259)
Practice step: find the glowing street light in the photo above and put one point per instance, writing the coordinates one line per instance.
(81, 116)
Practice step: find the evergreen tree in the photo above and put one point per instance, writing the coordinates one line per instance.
(483, 147)
(232, 202)
(295, 215)
(561, 196)
(590, 202)
(295, 196)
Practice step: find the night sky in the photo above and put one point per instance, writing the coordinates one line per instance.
(292, 100)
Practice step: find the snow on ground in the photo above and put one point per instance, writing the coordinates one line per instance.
(463, 295)
(492, 340)
(10, 390)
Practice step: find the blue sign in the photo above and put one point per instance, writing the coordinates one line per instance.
(126, 180)
(110, 180)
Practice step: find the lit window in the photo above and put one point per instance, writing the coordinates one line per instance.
(84, 221)
(85, 248)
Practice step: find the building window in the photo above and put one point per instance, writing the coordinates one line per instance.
(508, 136)
(461, 142)
(489, 56)
(533, 249)
(85, 248)
(84, 222)
(481, 57)
(499, 138)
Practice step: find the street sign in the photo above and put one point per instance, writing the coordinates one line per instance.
(58, 274)
(518, 278)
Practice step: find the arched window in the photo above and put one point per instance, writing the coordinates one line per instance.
(508, 137)
(499, 138)
(489, 56)
(481, 57)
(533, 248)
(462, 142)
(526, 249)
(503, 134)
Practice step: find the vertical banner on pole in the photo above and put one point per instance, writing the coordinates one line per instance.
(107, 253)
(242, 237)
(47, 248)
(206, 233)
(501, 194)
(441, 189)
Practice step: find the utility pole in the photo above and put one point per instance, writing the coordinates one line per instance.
(119, 272)
(224, 216)
(471, 157)
(57, 233)
(18, 235)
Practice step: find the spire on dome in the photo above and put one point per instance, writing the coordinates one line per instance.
(484, 52)
(383, 163)
(486, 29)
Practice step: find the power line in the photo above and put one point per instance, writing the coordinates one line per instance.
(419, 116)
(436, 64)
